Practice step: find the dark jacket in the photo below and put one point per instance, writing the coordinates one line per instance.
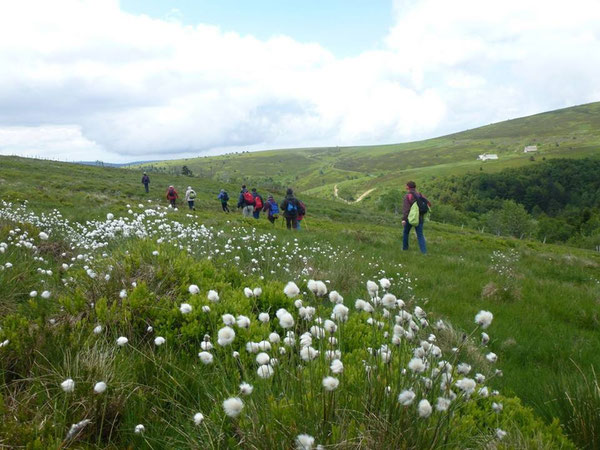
(223, 196)
(145, 179)
(284, 206)
(409, 199)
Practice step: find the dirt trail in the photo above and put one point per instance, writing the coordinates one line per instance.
(360, 197)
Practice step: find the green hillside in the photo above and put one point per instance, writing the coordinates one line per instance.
(117, 263)
(567, 133)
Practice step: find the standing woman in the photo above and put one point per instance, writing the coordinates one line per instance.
(172, 196)
(190, 197)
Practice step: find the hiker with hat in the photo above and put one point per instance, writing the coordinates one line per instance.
(258, 203)
(224, 197)
(272, 209)
(246, 202)
(291, 209)
(190, 197)
(146, 181)
(172, 195)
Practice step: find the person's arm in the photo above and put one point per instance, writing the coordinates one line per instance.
(406, 208)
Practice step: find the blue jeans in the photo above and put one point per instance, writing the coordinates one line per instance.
(420, 236)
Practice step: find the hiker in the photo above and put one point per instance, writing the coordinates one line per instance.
(224, 197)
(291, 209)
(301, 212)
(172, 195)
(146, 181)
(412, 197)
(258, 203)
(246, 202)
(272, 209)
(190, 197)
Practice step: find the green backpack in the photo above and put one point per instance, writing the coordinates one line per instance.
(413, 215)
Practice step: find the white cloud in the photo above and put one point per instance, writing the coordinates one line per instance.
(85, 78)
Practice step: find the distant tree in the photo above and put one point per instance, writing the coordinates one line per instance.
(186, 171)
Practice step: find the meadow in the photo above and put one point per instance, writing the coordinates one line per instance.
(125, 323)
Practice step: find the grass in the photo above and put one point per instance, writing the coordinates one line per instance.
(546, 306)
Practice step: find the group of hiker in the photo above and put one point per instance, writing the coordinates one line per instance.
(414, 208)
(250, 202)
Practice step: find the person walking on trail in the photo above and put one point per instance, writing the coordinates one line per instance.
(224, 197)
(414, 208)
(258, 203)
(146, 181)
(246, 202)
(291, 209)
(190, 197)
(272, 209)
(172, 195)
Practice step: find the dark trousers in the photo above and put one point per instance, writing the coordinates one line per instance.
(172, 201)
(420, 236)
(272, 219)
(191, 204)
(146, 186)
(224, 206)
(291, 222)
(256, 214)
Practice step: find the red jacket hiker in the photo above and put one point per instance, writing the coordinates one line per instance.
(172, 195)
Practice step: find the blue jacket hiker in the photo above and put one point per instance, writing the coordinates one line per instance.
(272, 209)
(224, 197)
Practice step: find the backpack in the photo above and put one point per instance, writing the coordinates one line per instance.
(292, 209)
(422, 204)
(258, 202)
(413, 215)
(274, 208)
(171, 192)
(225, 197)
(301, 208)
(192, 195)
(248, 198)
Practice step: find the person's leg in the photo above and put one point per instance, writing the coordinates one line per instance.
(421, 237)
(146, 186)
(224, 206)
(256, 214)
(295, 224)
(288, 223)
(190, 204)
(271, 219)
(298, 224)
(405, 236)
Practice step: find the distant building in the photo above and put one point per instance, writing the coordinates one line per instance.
(487, 156)
(530, 149)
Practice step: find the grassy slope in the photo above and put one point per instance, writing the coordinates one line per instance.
(571, 132)
(545, 307)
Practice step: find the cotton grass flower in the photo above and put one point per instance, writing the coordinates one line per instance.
(442, 404)
(233, 406)
(46, 295)
(68, 385)
(500, 434)
(121, 341)
(262, 358)
(335, 297)
(206, 357)
(257, 292)
(185, 308)
(286, 320)
(212, 296)
(291, 290)
(372, 288)
(263, 317)
(97, 329)
(123, 293)
(304, 442)
(389, 301)
(43, 236)
(159, 340)
(100, 387)
(243, 322)
(484, 319)
(225, 336)
(33, 294)
(417, 365)
(385, 283)
(246, 389)
(406, 397)
(491, 357)
(265, 371)
(139, 429)
(248, 292)
(228, 319)
(336, 366)
(340, 312)
(330, 383)
(467, 385)
(198, 418)
(424, 409)
(193, 289)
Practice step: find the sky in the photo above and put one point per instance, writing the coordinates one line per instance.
(134, 80)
